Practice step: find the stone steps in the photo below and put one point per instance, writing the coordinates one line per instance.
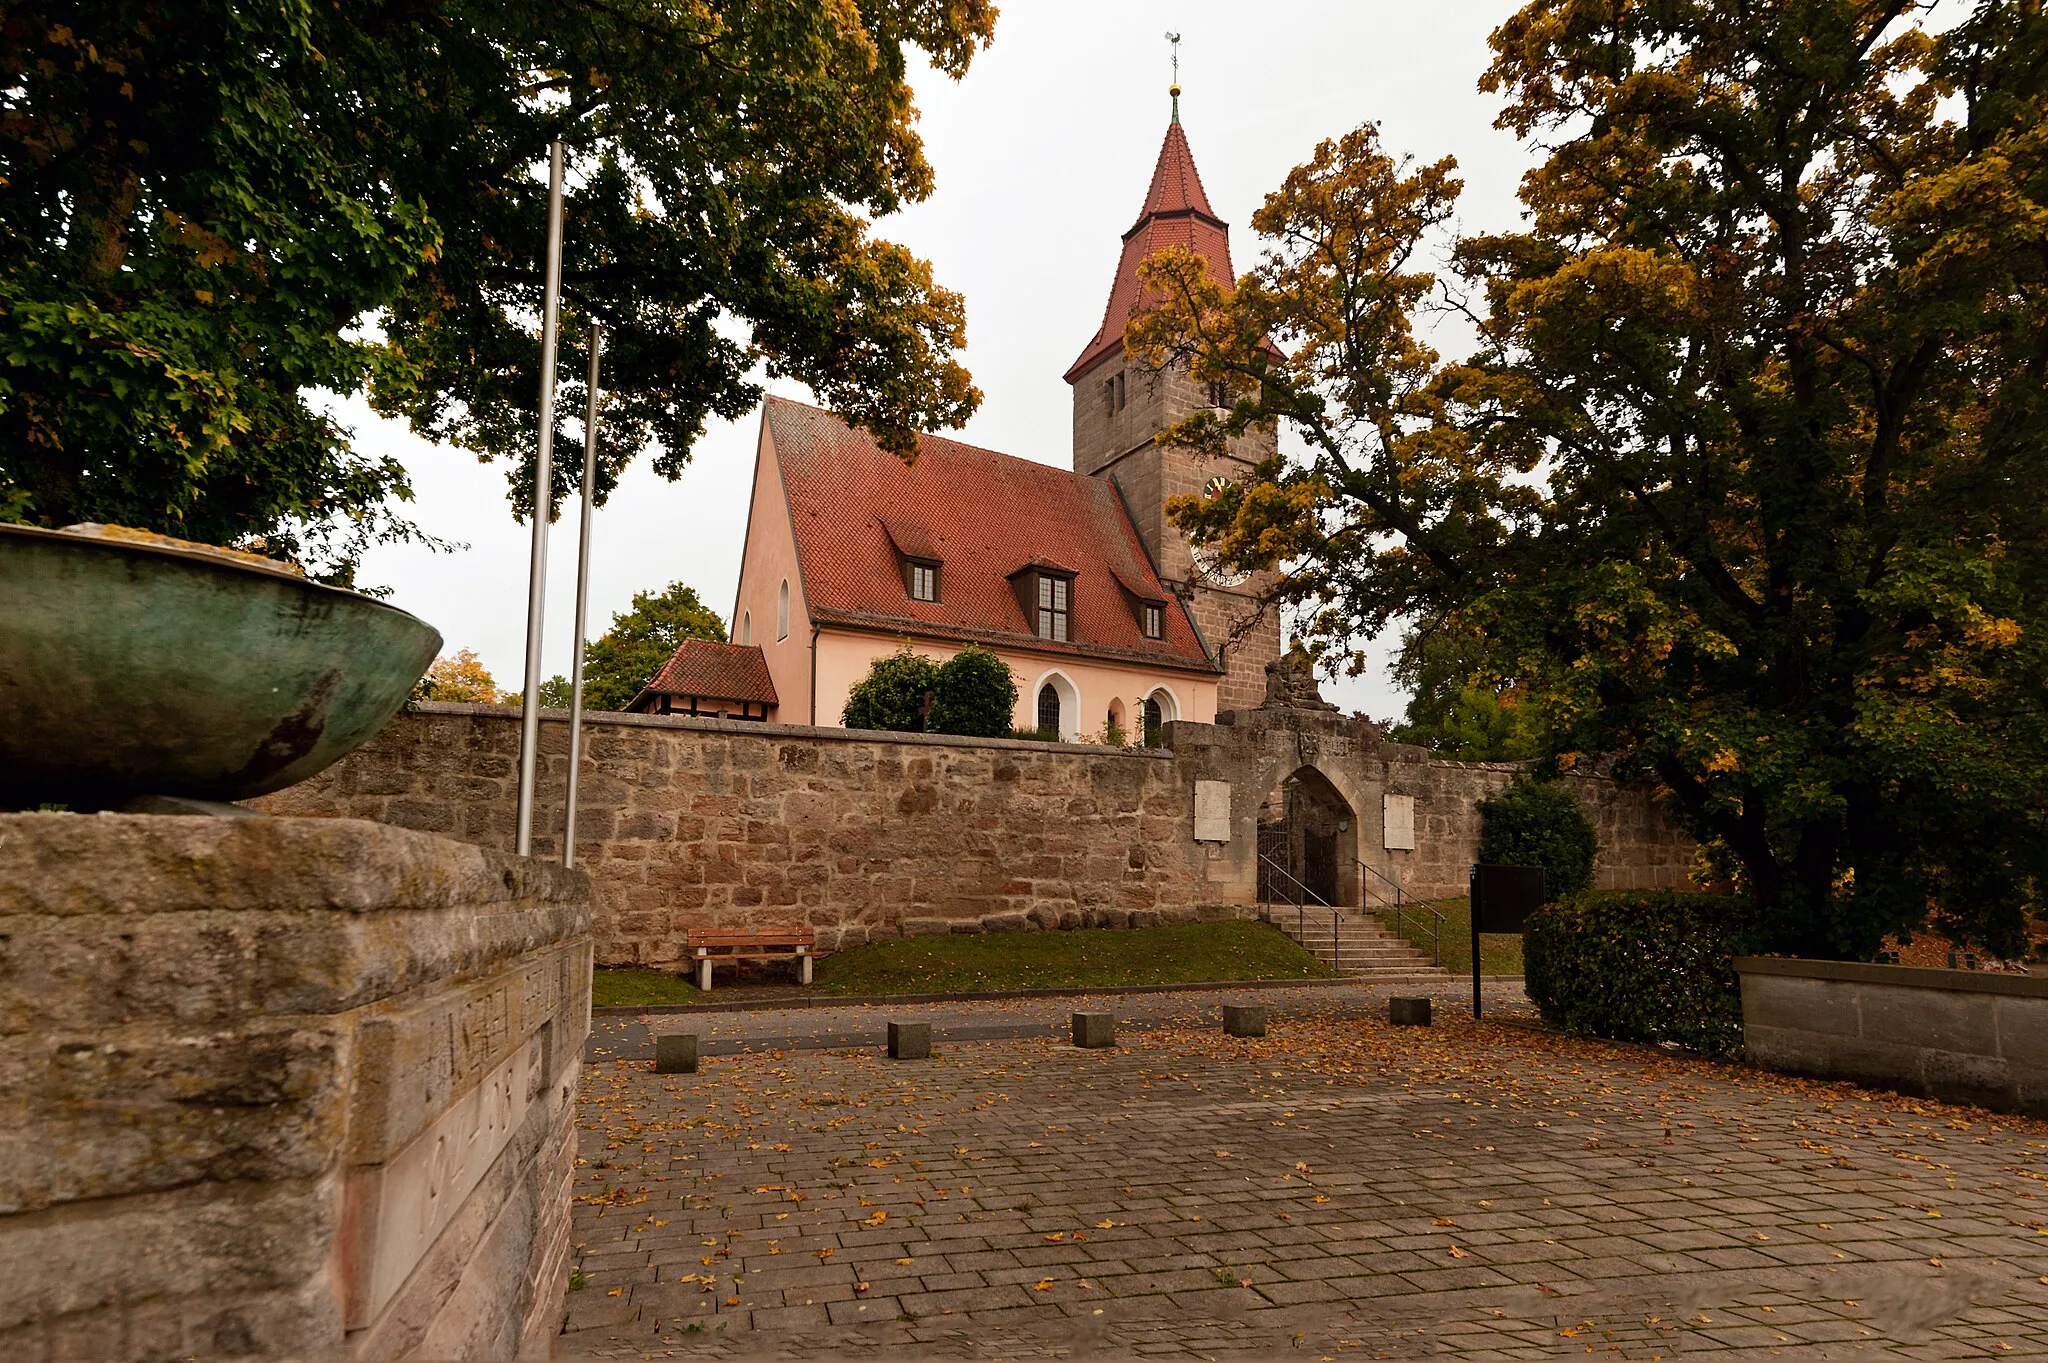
(1358, 946)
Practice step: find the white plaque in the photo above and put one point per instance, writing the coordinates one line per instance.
(1212, 811)
(1397, 818)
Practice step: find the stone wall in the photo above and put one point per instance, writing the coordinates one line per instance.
(1960, 1036)
(718, 822)
(282, 1088)
(697, 822)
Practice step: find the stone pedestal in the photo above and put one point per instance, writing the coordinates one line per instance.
(910, 1041)
(1409, 1012)
(283, 1088)
(1244, 1020)
(675, 1052)
(1094, 1031)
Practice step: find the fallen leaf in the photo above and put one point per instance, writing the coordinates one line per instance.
(1457, 1253)
(1042, 1285)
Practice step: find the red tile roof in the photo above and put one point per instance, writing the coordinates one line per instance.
(984, 516)
(1176, 213)
(713, 671)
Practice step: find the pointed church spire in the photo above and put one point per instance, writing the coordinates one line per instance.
(1176, 213)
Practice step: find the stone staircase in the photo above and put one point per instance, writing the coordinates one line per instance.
(1362, 947)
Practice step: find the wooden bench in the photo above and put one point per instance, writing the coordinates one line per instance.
(742, 944)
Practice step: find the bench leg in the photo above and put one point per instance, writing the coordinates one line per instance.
(807, 958)
(704, 973)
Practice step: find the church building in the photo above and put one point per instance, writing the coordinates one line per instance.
(1076, 579)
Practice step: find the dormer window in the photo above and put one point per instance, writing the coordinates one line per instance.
(1152, 619)
(1054, 597)
(924, 581)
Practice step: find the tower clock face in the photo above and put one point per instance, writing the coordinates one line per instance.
(1215, 486)
(1206, 564)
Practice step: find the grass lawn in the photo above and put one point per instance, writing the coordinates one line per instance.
(1197, 952)
(1500, 953)
(630, 986)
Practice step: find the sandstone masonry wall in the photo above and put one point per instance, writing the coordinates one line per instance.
(282, 1088)
(712, 822)
(860, 836)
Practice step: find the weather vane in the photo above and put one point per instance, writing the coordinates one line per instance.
(1174, 90)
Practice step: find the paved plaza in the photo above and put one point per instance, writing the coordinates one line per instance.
(1337, 1189)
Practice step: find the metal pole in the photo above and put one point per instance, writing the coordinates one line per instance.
(582, 600)
(543, 503)
(1472, 898)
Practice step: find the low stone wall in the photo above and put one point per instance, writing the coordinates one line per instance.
(282, 1088)
(1961, 1036)
(699, 822)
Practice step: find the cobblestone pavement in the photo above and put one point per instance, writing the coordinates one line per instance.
(1340, 1188)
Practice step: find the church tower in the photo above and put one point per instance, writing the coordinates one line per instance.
(1120, 406)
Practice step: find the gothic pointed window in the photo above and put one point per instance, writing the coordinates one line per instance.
(1154, 718)
(1048, 710)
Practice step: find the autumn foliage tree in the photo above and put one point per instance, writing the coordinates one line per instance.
(1744, 479)
(209, 211)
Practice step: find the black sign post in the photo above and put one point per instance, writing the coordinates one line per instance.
(1502, 899)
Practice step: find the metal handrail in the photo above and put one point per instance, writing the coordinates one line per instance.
(1301, 909)
(1403, 909)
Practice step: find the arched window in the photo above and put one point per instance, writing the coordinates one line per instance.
(1160, 707)
(746, 627)
(782, 611)
(1049, 710)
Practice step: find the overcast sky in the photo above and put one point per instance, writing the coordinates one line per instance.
(1043, 154)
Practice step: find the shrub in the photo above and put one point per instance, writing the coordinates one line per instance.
(892, 695)
(973, 694)
(1642, 965)
(1538, 823)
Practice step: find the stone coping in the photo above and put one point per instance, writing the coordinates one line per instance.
(621, 720)
(976, 996)
(1900, 976)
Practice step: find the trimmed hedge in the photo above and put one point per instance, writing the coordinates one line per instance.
(1538, 823)
(892, 695)
(973, 693)
(1642, 965)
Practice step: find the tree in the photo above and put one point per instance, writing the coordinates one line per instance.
(1745, 473)
(460, 677)
(625, 657)
(1538, 823)
(973, 693)
(211, 209)
(1461, 706)
(895, 694)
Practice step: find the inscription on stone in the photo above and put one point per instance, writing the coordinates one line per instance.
(1397, 815)
(1212, 811)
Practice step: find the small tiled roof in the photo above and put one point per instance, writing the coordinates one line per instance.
(714, 671)
(984, 516)
(1176, 213)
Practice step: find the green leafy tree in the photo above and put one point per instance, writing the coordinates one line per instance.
(895, 695)
(1538, 823)
(1459, 705)
(973, 693)
(211, 209)
(625, 657)
(1744, 474)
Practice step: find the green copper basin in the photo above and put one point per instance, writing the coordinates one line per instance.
(132, 666)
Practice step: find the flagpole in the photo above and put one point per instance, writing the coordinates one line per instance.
(543, 503)
(582, 599)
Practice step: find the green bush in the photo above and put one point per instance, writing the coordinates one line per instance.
(973, 694)
(892, 695)
(1642, 965)
(1538, 823)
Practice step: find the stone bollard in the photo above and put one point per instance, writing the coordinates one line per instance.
(1093, 1031)
(1408, 1012)
(1244, 1020)
(910, 1041)
(675, 1052)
